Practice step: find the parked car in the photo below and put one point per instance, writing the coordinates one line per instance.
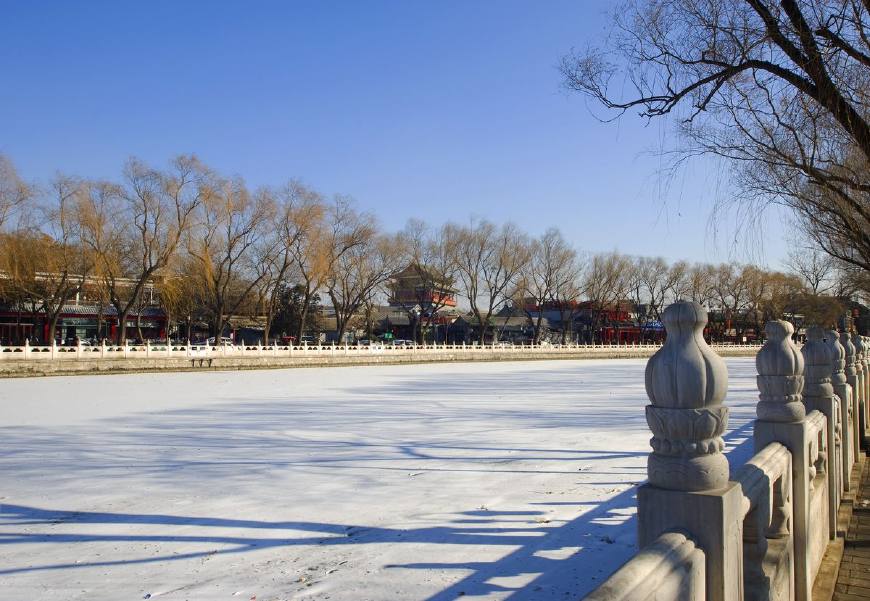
(224, 341)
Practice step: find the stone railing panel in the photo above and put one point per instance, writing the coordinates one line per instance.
(670, 568)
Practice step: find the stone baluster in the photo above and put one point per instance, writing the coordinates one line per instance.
(866, 368)
(782, 418)
(819, 395)
(852, 379)
(861, 380)
(688, 486)
(848, 434)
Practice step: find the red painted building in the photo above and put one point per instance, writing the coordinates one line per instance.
(84, 321)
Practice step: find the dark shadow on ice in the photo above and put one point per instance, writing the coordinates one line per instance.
(529, 536)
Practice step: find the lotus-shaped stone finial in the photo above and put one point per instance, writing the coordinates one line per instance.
(686, 384)
(685, 372)
(780, 378)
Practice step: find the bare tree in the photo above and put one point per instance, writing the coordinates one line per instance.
(815, 268)
(14, 192)
(299, 214)
(231, 223)
(606, 283)
(360, 270)
(430, 264)
(566, 294)
(697, 284)
(45, 263)
(851, 281)
(551, 264)
(311, 250)
(134, 230)
(654, 282)
(488, 260)
(731, 289)
(778, 88)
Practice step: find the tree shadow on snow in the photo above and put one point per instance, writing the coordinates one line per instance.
(546, 558)
(236, 443)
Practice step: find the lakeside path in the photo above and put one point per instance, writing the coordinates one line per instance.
(495, 480)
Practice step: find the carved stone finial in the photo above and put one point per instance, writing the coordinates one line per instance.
(858, 341)
(780, 378)
(686, 383)
(818, 359)
(838, 357)
(846, 341)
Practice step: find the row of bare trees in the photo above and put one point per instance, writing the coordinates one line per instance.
(213, 248)
(496, 266)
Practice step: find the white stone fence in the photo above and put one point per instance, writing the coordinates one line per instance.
(198, 351)
(759, 531)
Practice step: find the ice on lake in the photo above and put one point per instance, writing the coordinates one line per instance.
(488, 480)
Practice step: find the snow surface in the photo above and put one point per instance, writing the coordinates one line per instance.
(496, 480)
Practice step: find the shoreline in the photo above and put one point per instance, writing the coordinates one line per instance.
(71, 367)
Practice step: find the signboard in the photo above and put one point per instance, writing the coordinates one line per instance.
(145, 324)
(78, 321)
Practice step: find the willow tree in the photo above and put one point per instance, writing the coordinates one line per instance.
(15, 193)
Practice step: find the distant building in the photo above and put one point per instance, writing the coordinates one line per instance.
(422, 287)
(85, 321)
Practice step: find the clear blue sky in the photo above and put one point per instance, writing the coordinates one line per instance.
(435, 110)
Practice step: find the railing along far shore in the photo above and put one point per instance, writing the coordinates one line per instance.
(149, 350)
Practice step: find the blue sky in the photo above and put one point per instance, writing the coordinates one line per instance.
(435, 110)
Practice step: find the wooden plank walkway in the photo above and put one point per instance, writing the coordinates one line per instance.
(853, 580)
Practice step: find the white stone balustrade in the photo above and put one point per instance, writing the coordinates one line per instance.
(672, 567)
(852, 379)
(764, 533)
(113, 352)
(819, 395)
(688, 488)
(848, 415)
(861, 377)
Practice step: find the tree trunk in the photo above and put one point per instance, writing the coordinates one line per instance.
(52, 327)
(139, 325)
(303, 315)
(266, 329)
(218, 327)
(122, 324)
(168, 325)
(18, 333)
(100, 322)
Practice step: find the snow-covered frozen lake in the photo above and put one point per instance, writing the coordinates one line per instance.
(495, 480)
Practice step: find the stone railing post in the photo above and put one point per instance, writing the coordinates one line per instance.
(852, 379)
(782, 419)
(866, 368)
(848, 434)
(688, 486)
(819, 396)
(861, 381)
